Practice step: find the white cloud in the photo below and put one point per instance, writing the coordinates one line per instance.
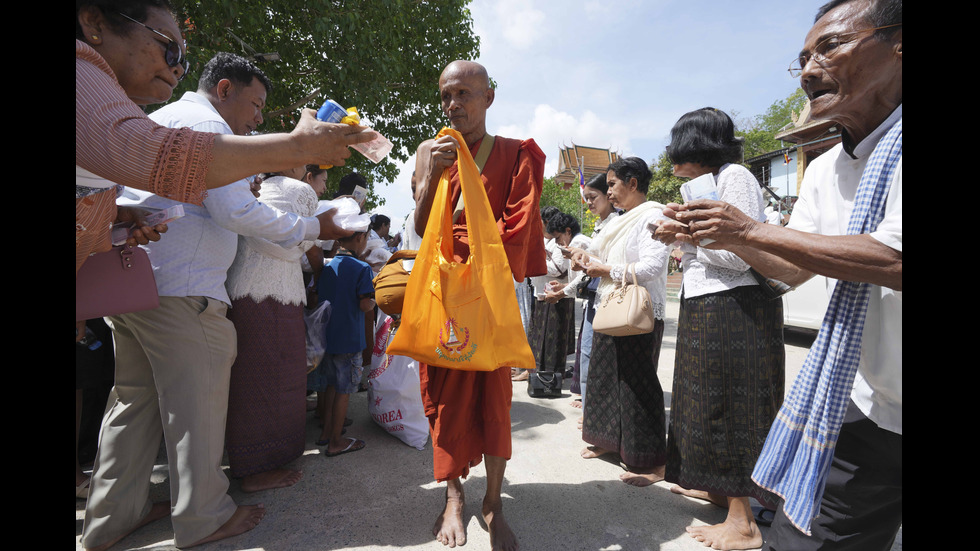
(552, 129)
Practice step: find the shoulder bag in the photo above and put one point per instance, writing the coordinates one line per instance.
(462, 315)
(117, 281)
(627, 310)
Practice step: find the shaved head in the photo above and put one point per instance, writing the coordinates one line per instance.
(466, 69)
(464, 88)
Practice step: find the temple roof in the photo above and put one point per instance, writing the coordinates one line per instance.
(593, 160)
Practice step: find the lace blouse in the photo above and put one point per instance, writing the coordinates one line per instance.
(263, 269)
(709, 271)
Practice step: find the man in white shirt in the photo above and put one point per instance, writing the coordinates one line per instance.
(173, 363)
(851, 70)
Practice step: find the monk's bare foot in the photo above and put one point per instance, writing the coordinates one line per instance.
(502, 538)
(643, 477)
(449, 528)
(718, 500)
(592, 452)
(276, 478)
(158, 510)
(245, 518)
(727, 536)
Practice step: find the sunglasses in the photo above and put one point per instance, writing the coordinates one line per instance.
(172, 53)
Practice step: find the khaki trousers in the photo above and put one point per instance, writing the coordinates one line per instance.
(173, 366)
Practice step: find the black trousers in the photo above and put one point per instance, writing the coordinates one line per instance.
(862, 504)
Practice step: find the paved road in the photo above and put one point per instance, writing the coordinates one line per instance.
(383, 497)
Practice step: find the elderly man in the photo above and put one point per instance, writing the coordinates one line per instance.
(469, 412)
(835, 450)
(173, 363)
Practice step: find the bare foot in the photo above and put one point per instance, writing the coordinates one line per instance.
(245, 518)
(158, 510)
(591, 452)
(580, 421)
(643, 477)
(522, 376)
(449, 528)
(726, 536)
(276, 478)
(721, 501)
(577, 402)
(502, 538)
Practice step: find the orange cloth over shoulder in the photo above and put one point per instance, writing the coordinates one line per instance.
(513, 177)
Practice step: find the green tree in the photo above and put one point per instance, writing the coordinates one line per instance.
(568, 201)
(382, 56)
(664, 186)
(760, 131)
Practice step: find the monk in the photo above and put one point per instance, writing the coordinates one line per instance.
(469, 412)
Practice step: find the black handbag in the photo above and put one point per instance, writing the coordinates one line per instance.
(544, 384)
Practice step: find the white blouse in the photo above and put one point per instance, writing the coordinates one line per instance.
(649, 258)
(709, 271)
(263, 269)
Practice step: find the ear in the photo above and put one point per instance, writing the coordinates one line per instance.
(633, 184)
(490, 95)
(92, 22)
(223, 90)
(898, 43)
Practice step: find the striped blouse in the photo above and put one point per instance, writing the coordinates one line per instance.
(115, 140)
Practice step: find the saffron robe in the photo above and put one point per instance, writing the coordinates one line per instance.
(469, 411)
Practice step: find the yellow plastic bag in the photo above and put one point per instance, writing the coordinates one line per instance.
(462, 315)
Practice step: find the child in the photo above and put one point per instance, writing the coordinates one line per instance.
(346, 283)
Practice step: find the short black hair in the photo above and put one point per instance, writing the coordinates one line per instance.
(235, 68)
(348, 183)
(561, 221)
(137, 9)
(632, 167)
(598, 183)
(879, 14)
(378, 220)
(548, 212)
(705, 136)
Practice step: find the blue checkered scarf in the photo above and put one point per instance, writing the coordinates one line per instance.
(796, 458)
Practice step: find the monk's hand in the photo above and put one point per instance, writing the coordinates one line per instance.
(329, 228)
(707, 219)
(442, 154)
(141, 233)
(327, 143)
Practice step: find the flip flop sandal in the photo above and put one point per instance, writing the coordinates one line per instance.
(353, 446)
(326, 441)
(765, 517)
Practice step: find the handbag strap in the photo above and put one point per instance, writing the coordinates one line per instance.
(482, 154)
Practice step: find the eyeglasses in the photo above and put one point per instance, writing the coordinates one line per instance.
(172, 53)
(828, 48)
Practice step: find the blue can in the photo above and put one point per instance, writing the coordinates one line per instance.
(331, 111)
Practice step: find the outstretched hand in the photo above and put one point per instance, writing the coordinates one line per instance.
(708, 219)
(327, 143)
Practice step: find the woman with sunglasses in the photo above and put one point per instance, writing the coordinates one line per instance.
(128, 54)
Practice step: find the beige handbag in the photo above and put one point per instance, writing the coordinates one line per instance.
(625, 311)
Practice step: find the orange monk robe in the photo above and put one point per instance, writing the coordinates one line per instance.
(469, 411)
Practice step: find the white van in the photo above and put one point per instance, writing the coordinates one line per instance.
(805, 306)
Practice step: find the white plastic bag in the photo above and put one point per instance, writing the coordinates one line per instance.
(316, 333)
(394, 396)
(348, 215)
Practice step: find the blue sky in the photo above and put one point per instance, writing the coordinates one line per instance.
(619, 73)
